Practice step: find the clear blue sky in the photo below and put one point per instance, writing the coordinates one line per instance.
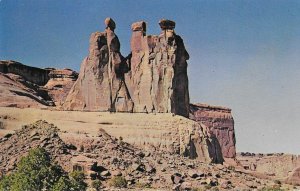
(244, 54)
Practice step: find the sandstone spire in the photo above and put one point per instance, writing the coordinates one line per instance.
(100, 85)
(158, 79)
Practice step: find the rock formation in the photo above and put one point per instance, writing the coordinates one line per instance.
(15, 91)
(151, 79)
(101, 85)
(272, 165)
(25, 86)
(220, 123)
(59, 84)
(158, 79)
(103, 157)
(34, 75)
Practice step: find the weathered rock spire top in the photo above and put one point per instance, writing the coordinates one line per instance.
(110, 23)
(166, 24)
(139, 26)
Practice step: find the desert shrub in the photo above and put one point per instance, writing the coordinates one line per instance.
(121, 142)
(118, 182)
(272, 188)
(231, 167)
(1, 125)
(142, 185)
(277, 182)
(197, 189)
(77, 180)
(36, 172)
(96, 184)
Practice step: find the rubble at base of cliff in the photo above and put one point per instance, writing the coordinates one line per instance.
(103, 157)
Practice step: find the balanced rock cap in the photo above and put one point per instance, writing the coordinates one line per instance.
(166, 24)
(139, 26)
(109, 22)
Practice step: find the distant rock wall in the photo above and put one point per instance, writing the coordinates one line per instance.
(59, 84)
(26, 86)
(35, 75)
(220, 122)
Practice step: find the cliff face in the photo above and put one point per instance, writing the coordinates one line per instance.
(220, 123)
(25, 86)
(34, 75)
(158, 79)
(59, 84)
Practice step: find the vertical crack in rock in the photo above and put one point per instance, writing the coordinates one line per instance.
(101, 84)
(158, 80)
(153, 78)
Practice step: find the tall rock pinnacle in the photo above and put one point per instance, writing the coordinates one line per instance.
(100, 85)
(158, 79)
(153, 78)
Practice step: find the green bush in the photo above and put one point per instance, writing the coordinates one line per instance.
(36, 172)
(231, 168)
(96, 184)
(118, 182)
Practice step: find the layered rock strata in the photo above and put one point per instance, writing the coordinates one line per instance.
(59, 84)
(15, 91)
(25, 86)
(34, 75)
(220, 123)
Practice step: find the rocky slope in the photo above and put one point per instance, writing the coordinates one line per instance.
(102, 157)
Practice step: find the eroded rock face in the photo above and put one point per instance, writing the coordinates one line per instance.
(101, 85)
(158, 79)
(15, 91)
(220, 123)
(276, 165)
(32, 74)
(59, 84)
(153, 78)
